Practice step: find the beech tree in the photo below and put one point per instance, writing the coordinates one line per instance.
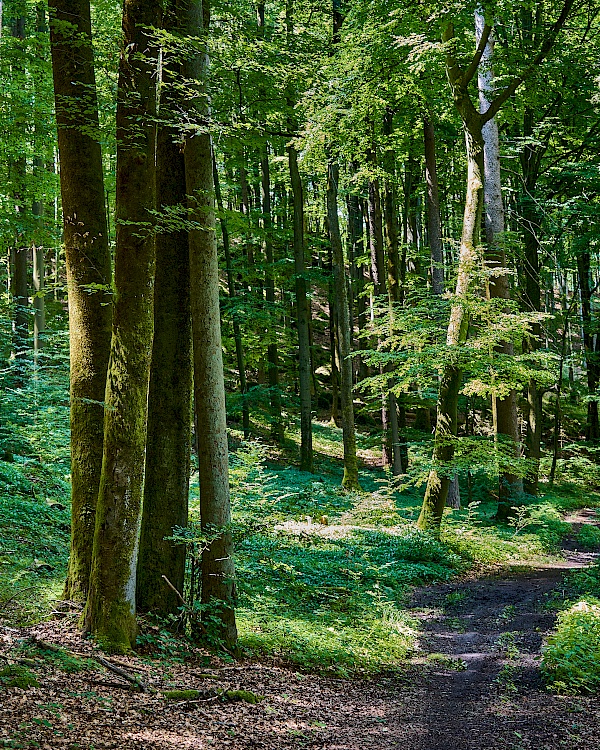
(438, 482)
(110, 608)
(88, 264)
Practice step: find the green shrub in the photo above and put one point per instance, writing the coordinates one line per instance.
(589, 537)
(14, 675)
(571, 657)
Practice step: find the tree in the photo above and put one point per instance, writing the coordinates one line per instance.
(168, 444)
(110, 609)
(88, 262)
(473, 121)
(218, 585)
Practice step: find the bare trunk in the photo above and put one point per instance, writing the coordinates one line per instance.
(272, 355)
(350, 479)
(218, 585)
(434, 229)
(237, 333)
(302, 316)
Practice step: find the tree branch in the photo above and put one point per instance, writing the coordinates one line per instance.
(472, 69)
(495, 105)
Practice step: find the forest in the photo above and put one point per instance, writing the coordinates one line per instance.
(299, 374)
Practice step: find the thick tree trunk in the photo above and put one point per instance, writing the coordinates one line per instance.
(350, 479)
(302, 315)
(168, 443)
(504, 409)
(88, 265)
(218, 586)
(110, 611)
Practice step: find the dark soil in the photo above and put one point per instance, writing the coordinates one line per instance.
(475, 685)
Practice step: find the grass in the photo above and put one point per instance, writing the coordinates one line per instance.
(323, 575)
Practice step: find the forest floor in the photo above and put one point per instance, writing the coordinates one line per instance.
(473, 683)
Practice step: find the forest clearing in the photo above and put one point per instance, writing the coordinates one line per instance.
(300, 345)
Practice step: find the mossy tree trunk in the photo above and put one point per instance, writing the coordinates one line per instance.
(88, 266)
(350, 479)
(168, 442)
(218, 585)
(110, 611)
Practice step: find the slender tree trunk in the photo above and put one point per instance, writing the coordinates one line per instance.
(434, 229)
(110, 611)
(18, 169)
(439, 478)
(532, 298)
(378, 276)
(218, 586)
(398, 439)
(272, 355)
(39, 318)
(504, 409)
(592, 363)
(350, 479)
(237, 333)
(303, 315)
(88, 265)
(168, 443)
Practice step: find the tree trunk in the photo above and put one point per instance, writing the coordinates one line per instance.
(88, 264)
(398, 439)
(237, 333)
(303, 315)
(504, 409)
(531, 223)
(110, 611)
(350, 479)
(440, 475)
(592, 363)
(378, 276)
(434, 229)
(218, 587)
(168, 443)
(272, 356)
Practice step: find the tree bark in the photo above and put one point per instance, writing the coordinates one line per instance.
(110, 611)
(218, 586)
(168, 443)
(350, 479)
(88, 266)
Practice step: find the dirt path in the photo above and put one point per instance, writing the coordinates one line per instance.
(480, 690)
